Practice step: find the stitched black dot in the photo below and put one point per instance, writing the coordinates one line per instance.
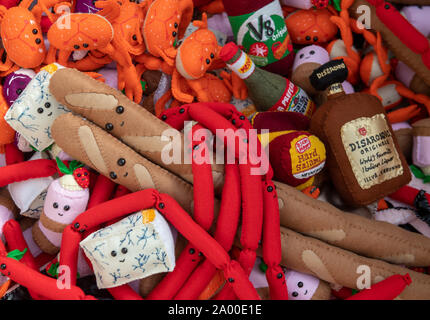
(85, 45)
(301, 56)
(242, 117)
(112, 175)
(163, 117)
(18, 91)
(176, 24)
(270, 188)
(191, 251)
(208, 61)
(3, 266)
(387, 6)
(55, 205)
(121, 162)
(34, 31)
(161, 205)
(231, 280)
(174, 33)
(124, 250)
(109, 126)
(134, 37)
(308, 38)
(295, 294)
(66, 207)
(312, 52)
(76, 225)
(47, 105)
(182, 110)
(212, 56)
(233, 121)
(315, 39)
(85, 173)
(38, 41)
(119, 109)
(113, 253)
(76, 47)
(300, 284)
(200, 254)
(40, 110)
(279, 275)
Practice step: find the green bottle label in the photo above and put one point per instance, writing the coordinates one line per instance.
(262, 34)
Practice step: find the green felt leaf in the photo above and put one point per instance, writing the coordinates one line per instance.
(63, 168)
(16, 254)
(336, 4)
(417, 172)
(75, 164)
(53, 269)
(263, 266)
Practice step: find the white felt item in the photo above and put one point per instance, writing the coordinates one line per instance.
(34, 111)
(131, 249)
(23, 193)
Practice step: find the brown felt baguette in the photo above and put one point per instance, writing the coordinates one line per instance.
(400, 50)
(93, 146)
(111, 110)
(339, 266)
(375, 239)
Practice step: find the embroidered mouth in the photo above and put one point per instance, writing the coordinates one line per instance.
(60, 214)
(50, 114)
(122, 123)
(126, 174)
(122, 260)
(306, 292)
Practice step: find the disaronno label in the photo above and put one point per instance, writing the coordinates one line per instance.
(371, 151)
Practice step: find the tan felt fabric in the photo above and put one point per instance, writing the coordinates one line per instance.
(339, 266)
(400, 50)
(95, 147)
(300, 77)
(375, 239)
(135, 126)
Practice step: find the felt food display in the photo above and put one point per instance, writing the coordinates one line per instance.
(66, 198)
(363, 156)
(34, 111)
(15, 83)
(311, 26)
(135, 247)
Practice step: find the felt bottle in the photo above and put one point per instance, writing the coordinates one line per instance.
(364, 160)
(268, 91)
(259, 27)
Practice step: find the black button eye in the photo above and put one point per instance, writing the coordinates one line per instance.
(182, 110)
(124, 250)
(176, 24)
(34, 31)
(174, 33)
(113, 253)
(121, 162)
(308, 38)
(38, 41)
(85, 173)
(79, 175)
(76, 47)
(212, 56)
(85, 45)
(315, 39)
(112, 175)
(47, 105)
(295, 294)
(192, 251)
(119, 109)
(301, 56)
(134, 37)
(55, 205)
(109, 126)
(208, 61)
(312, 52)
(39, 110)
(387, 6)
(163, 117)
(66, 207)
(300, 284)
(18, 91)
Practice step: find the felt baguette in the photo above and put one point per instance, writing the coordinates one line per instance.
(132, 124)
(93, 146)
(371, 238)
(400, 50)
(338, 266)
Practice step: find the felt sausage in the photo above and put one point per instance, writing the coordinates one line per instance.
(375, 239)
(341, 267)
(129, 122)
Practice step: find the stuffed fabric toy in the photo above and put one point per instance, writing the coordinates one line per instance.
(135, 247)
(15, 83)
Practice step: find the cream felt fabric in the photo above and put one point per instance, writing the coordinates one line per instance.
(34, 111)
(136, 247)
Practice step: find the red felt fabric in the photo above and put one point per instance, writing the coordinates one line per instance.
(387, 289)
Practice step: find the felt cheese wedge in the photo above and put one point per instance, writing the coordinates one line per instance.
(375, 239)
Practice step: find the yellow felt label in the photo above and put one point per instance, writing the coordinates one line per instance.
(308, 156)
(148, 216)
(370, 149)
(50, 68)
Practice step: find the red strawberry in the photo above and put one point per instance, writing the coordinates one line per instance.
(320, 4)
(82, 177)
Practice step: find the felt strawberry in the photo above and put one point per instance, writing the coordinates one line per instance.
(81, 175)
(320, 4)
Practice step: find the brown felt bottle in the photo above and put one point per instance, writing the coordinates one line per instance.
(364, 160)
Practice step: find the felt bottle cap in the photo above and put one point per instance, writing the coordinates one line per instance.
(421, 127)
(228, 51)
(332, 72)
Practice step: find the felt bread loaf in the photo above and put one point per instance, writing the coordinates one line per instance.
(93, 146)
(341, 267)
(374, 239)
(122, 118)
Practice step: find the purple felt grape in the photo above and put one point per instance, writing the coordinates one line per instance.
(86, 6)
(15, 84)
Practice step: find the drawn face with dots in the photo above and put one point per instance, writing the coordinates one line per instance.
(300, 286)
(313, 53)
(63, 205)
